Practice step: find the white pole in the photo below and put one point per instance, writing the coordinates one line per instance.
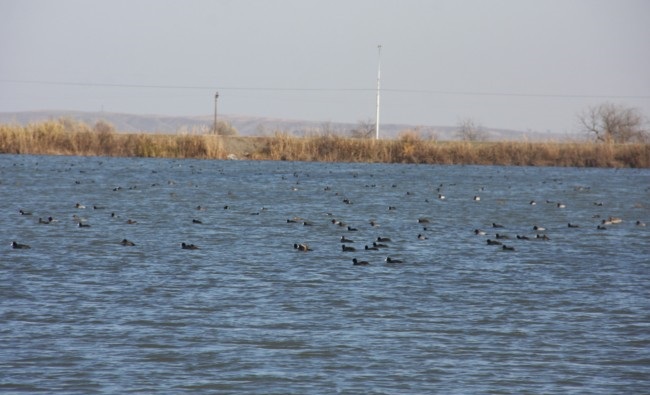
(378, 89)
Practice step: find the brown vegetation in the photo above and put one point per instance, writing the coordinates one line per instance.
(65, 137)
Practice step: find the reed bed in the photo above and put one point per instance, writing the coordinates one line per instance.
(64, 137)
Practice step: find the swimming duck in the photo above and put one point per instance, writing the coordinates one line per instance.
(477, 198)
(356, 262)
(83, 225)
(522, 237)
(346, 240)
(79, 205)
(500, 236)
(373, 248)
(539, 228)
(131, 221)
(423, 220)
(479, 232)
(383, 239)
(197, 221)
(302, 247)
(379, 245)
(391, 260)
(19, 246)
(351, 229)
(345, 248)
(542, 237)
(189, 246)
(507, 248)
(494, 242)
(23, 212)
(126, 242)
(573, 225)
(495, 225)
(640, 223)
(422, 237)
(45, 221)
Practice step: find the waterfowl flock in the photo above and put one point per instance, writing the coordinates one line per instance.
(400, 226)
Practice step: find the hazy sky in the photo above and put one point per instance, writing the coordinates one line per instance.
(515, 64)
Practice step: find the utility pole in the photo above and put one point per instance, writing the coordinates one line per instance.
(216, 97)
(378, 89)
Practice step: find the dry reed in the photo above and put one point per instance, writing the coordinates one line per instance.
(65, 137)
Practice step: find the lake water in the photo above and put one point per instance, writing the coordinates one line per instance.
(249, 313)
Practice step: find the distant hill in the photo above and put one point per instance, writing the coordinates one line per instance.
(252, 126)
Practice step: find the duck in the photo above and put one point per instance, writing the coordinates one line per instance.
(379, 245)
(532, 203)
(373, 248)
(500, 236)
(351, 229)
(45, 221)
(539, 228)
(422, 237)
(561, 205)
(83, 225)
(383, 239)
(79, 205)
(196, 221)
(302, 247)
(19, 246)
(423, 220)
(640, 223)
(570, 225)
(391, 260)
(491, 242)
(507, 248)
(126, 242)
(23, 212)
(345, 248)
(522, 237)
(479, 232)
(477, 198)
(373, 223)
(189, 246)
(356, 262)
(346, 240)
(495, 225)
(542, 237)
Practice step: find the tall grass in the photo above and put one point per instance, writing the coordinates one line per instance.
(65, 137)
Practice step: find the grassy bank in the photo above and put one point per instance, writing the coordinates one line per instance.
(64, 137)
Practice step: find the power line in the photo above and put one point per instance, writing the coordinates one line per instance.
(322, 89)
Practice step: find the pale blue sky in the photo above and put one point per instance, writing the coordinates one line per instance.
(515, 64)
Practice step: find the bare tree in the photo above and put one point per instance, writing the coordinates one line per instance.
(468, 130)
(364, 130)
(225, 129)
(612, 123)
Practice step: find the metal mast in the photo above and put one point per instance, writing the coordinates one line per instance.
(378, 89)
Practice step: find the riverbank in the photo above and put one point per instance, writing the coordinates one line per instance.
(55, 138)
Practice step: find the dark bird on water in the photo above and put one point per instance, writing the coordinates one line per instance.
(19, 246)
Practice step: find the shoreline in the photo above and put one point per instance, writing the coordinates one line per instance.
(57, 138)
